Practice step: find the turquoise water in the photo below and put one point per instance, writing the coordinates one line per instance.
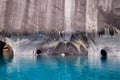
(60, 68)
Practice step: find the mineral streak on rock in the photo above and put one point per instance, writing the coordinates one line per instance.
(32, 16)
(76, 46)
(88, 17)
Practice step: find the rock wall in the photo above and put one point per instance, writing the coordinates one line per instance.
(31, 16)
(79, 19)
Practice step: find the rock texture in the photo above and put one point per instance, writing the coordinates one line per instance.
(6, 52)
(31, 16)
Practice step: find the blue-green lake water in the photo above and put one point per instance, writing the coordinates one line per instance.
(60, 68)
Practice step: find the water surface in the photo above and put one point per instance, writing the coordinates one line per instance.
(60, 68)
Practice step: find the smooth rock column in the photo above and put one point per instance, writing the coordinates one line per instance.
(91, 18)
(68, 12)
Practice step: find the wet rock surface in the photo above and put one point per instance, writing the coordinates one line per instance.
(67, 48)
(78, 45)
(6, 52)
(44, 45)
(109, 43)
(2, 44)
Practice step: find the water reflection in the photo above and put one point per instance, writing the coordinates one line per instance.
(60, 68)
(67, 67)
(104, 58)
(4, 60)
(5, 68)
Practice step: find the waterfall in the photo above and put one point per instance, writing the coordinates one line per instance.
(68, 19)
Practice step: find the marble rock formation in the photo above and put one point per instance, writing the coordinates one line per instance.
(51, 16)
(76, 46)
(32, 16)
(6, 52)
